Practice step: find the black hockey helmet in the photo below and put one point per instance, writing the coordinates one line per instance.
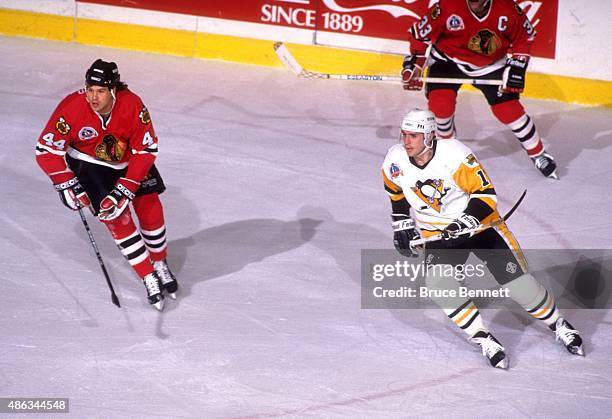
(102, 73)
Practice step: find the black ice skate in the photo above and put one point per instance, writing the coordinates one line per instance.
(168, 280)
(491, 349)
(152, 284)
(546, 164)
(569, 337)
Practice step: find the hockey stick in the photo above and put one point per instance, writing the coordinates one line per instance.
(478, 229)
(290, 62)
(100, 261)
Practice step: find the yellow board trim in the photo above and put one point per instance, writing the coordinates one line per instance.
(36, 25)
(252, 51)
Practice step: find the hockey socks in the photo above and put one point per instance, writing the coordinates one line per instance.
(442, 103)
(534, 298)
(461, 310)
(150, 215)
(513, 115)
(130, 243)
(155, 241)
(466, 317)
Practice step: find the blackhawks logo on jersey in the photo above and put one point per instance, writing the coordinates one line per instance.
(485, 42)
(62, 126)
(431, 192)
(109, 149)
(144, 116)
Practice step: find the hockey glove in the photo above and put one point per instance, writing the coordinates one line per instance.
(513, 79)
(412, 69)
(403, 233)
(453, 236)
(113, 205)
(73, 194)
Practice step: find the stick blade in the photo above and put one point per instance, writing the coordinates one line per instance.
(115, 300)
(287, 59)
(518, 202)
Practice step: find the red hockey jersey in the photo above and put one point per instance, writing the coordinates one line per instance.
(125, 139)
(472, 42)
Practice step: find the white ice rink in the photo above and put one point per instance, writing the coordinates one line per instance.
(273, 190)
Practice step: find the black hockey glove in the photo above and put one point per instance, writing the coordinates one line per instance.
(404, 232)
(452, 235)
(73, 194)
(513, 79)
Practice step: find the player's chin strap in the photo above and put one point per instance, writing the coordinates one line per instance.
(427, 147)
(478, 229)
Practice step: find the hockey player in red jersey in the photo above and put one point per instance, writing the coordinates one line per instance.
(481, 39)
(99, 149)
(450, 193)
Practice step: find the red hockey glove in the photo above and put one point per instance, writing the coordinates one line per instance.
(412, 69)
(72, 194)
(513, 79)
(113, 205)
(453, 236)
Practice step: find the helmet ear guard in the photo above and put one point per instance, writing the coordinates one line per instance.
(102, 73)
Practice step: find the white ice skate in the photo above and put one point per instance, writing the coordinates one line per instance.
(568, 336)
(491, 349)
(156, 298)
(168, 280)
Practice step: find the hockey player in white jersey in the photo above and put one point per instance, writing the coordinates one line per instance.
(449, 192)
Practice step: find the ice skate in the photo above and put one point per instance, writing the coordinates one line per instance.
(152, 284)
(546, 164)
(568, 336)
(491, 349)
(168, 280)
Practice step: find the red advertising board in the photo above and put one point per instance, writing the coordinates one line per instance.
(387, 19)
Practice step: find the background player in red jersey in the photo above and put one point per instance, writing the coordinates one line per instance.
(99, 149)
(483, 39)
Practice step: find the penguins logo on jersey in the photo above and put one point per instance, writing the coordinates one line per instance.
(144, 116)
(485, 42)
(110, 149)
(62, 126)
(431, 192)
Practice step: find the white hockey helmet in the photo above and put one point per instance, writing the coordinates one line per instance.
(420, 120)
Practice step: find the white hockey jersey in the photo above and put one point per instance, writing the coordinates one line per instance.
(439, 191)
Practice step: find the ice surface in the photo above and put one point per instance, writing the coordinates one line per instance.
(273, 189)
